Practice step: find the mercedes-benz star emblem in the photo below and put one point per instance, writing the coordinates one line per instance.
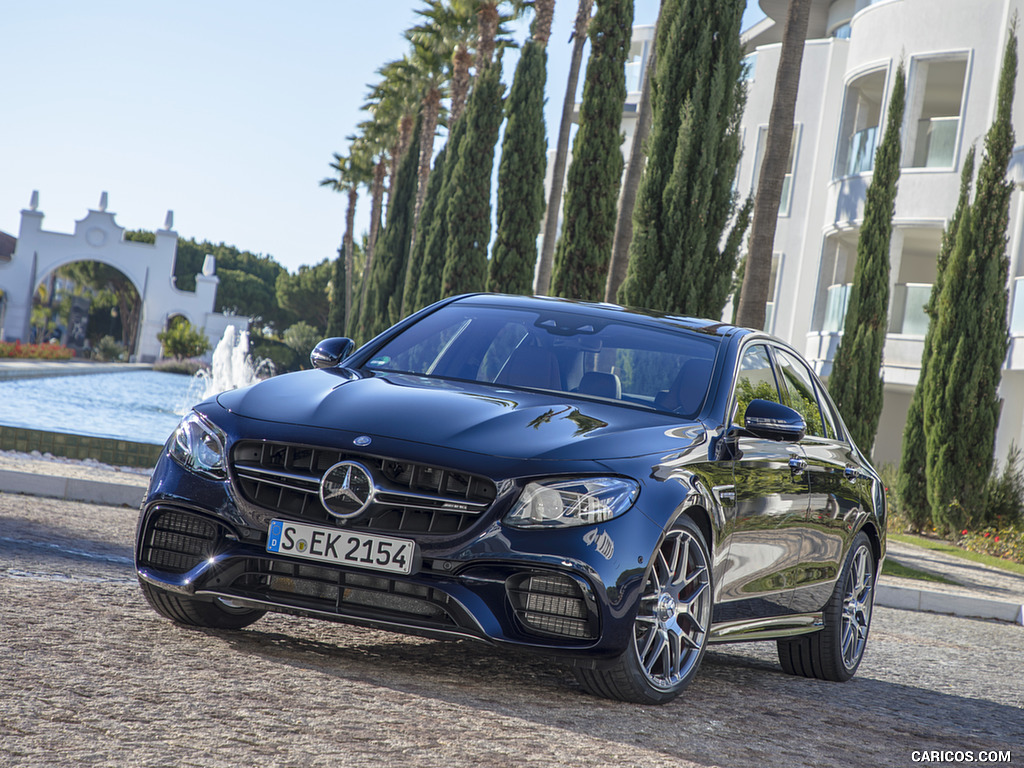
(347, 489)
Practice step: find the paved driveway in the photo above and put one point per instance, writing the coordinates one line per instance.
(91, 676)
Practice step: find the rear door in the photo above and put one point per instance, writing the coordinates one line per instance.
(839, 491)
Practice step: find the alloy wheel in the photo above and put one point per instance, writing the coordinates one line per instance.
(857, 607)
(671, 627)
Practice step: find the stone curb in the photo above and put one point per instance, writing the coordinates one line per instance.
(71, 488)
(910, 599)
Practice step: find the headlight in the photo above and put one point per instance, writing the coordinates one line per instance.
(581, 501)
(199, 446)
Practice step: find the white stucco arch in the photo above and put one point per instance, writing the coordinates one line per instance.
(98, 237)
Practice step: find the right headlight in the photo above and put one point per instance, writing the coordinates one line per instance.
(198, 446)
(580, 501)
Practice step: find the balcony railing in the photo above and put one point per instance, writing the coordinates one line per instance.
(936, 142)
(908, 317)
(861, 155)
(836, 297)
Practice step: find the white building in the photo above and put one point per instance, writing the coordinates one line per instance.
(953, 53)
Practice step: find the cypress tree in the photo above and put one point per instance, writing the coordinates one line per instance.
(961, 411)
(595, 175)
(676, 261)
(469, 212)
(383, 302)
(435, 229)
(417, 256)
(911, 487)
(521, 177)
(856, 380)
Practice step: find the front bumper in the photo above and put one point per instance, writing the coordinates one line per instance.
(568, 592)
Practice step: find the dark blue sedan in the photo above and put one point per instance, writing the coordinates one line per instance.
(613, 487)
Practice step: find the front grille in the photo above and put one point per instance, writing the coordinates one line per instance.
(410, 497)
(333, 591)
(176, 540)
(551, 604)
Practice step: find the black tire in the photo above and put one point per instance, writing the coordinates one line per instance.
(192, 612)
(670, 631)
(836, 651)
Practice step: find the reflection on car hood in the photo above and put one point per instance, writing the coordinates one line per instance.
(464, 416)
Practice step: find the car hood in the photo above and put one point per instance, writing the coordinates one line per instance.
(464, 416)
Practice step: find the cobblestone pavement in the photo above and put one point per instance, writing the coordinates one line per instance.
(93, 677)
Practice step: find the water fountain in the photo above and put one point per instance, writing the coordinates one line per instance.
(232, 367)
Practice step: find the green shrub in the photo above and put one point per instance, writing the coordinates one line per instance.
(108, 350)
(1004, 494)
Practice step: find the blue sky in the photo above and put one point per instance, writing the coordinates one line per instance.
(224, 111)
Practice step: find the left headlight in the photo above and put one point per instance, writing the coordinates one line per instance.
(580, 501)
(198, 445)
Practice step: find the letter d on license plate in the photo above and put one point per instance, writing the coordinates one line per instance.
(331, 545)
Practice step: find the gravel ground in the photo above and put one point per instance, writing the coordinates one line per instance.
(93, 677)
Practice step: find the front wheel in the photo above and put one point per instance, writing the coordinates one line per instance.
(670, 632)
(836, 651)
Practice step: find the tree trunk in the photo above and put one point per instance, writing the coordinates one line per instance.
(554, 206)
(350, 218)
(754, 294)
(631, 184)
(462, 60)
(377, 197)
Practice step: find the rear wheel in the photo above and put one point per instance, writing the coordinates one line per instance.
(215, 614)
(836, 651)
(670, 632)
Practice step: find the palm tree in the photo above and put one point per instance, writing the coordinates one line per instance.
(547, 254)
(754, 293)
(353, 172)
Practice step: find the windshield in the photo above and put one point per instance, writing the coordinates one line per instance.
(557, 351)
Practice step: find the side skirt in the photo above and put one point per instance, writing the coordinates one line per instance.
(766, 629)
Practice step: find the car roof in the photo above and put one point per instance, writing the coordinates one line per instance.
(607, 311)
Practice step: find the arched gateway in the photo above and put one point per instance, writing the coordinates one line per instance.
(97, 237)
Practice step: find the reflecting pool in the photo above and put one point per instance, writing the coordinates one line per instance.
(142, 406)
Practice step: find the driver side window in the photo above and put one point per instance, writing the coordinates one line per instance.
(754, 381)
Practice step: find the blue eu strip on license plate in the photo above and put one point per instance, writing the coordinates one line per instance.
(340, 547)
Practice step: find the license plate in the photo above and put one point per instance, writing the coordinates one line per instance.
(360, 550)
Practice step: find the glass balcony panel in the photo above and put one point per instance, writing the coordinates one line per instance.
(836, 297)
(862, 151)
(936, 142)
(908, 303)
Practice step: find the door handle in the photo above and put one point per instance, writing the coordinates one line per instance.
(797, 465)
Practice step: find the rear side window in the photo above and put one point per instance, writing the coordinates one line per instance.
(800, 392)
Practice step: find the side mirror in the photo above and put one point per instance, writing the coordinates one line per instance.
(330, 352)
(774, 421)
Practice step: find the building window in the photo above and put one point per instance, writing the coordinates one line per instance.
(858, 132)
(773, 282)
(842, 32)
(1017, 314)
(937, 93)
(749, 66)
(787, 180)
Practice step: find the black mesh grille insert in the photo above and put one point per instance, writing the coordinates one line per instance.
(329, 590)
(177, 540)
(410, 497)
(551, 604)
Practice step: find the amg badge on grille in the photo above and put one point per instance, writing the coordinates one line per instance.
(347, 489)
